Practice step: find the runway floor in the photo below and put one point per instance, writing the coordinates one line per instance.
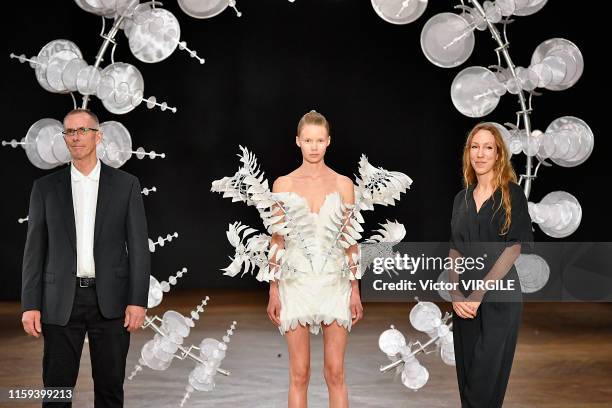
(563, 359)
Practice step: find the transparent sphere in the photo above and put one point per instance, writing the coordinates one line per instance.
(200, 381)
(547, 146)
(106, 86)
(203, 8)
(174, 322)
(39, 139)
(515, 142)
(447, 40)
(94, 7)
(70, 72)
(59, 149)
(579, 139)
(528, 78)
(513, 85)
(399, 11)
(533, 272)
(48, 135)
(531, 144)
(475, 91)
(106, 8)
(150, 360)
(127, 81)
(557, 67)
(217, 356)
(492, 11)
(87, 80)
(155, 293)
(526, 8)
(544, 74)
(562, 56)
(444, 278)
(55, 69)
(116, 146)
(414, 376)
(55, 55)
(558, 214)
(425, 316)
(207, 348)
(155, 39)
(502, 75)
(507, 7)
(447, 351)
(391, 341)
(165, 344)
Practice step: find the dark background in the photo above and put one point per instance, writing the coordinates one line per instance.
(262, 72)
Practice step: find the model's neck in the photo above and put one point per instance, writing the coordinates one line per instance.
(313, 169)
(86, 164)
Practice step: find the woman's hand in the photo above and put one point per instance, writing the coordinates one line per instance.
(355, 305)
(473, 304)
(465, 310)
(274, 305)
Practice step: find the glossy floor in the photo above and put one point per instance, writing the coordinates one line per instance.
(563, 360)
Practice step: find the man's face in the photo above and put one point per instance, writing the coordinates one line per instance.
(81, 143)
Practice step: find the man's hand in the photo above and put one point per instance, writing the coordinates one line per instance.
(134, 317)
(31, 322)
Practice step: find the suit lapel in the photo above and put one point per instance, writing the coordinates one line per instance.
(104, 195)
(64, 191)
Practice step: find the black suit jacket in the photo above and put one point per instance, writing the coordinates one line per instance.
(121, 252)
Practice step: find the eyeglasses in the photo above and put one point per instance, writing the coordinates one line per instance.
(80, 131)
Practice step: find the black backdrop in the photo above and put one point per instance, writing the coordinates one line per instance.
(262, 72)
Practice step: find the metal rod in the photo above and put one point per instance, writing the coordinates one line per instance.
(108, 38)
(503, 47)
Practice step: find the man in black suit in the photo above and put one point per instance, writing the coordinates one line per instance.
(86, 265)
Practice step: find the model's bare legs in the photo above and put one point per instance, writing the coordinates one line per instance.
(298, 343)
(334, 340)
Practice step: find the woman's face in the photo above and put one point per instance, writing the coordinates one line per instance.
(313, 141)
(483, 152)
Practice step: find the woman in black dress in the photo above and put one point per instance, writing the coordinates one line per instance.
(490, 220)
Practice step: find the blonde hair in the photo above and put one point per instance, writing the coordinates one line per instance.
(503, 170)
(312, 118)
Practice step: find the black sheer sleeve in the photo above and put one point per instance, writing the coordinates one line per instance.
(519, 234)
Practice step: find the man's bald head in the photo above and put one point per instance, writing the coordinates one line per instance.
(79, 111)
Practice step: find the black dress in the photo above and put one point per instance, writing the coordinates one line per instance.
(484, 345)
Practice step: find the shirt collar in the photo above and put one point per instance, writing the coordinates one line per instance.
(94, 175)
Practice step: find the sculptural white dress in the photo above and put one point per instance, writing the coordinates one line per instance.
(312, 268)
(319, 292)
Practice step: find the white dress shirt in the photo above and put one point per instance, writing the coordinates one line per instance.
(84, 200)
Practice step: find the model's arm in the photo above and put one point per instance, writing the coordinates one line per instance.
(33, 263)
(274, 306)
(138, 249)
(34, 253)
(347, 191)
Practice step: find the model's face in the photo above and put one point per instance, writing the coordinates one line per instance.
(81, 143)
(483, 152)
(313, 141)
